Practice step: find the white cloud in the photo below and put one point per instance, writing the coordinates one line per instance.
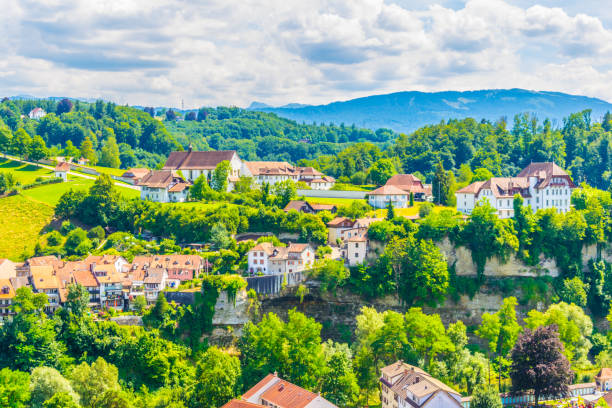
(278, 51)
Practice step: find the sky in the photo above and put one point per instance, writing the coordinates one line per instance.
(234, 52)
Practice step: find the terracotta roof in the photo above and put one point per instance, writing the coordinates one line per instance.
(324, 179)
(191, 160)
(62, 166)
(44, 260)
(259, 386)
(258, 168)
(6, 289)
(359, 237)
(85, 278)
(45, 281)
(309, 172)
(193, 262)
(338, 221)
(388, 190)
(473, 188)
(299, 248)
(604, 373)
(241, 404)
(266, 247)
(287, 395)
(154, 275)
(407, 182)
(297, 205)
(608, 398)
(19, 282)
(160, 179)
(323, 207)
(178, 187)
(136, 173)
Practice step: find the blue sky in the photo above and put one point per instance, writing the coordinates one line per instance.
(233, 52)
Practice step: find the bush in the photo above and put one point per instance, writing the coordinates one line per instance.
(425, 209)
(54, 238)
(66, 227)
(96, 233)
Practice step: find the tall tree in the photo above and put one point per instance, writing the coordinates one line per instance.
(87, 151)
(486, 397)
(539, 364)
(21, 143)
(501, 331)
(220, 176)
(199, 187)
(37, 149)
(14, 388)
(390, 211)
(63, 106)
(443, 186)
(381, 171)
(217, 379)
(109, 154)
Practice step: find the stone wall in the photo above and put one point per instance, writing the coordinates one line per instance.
(226, 313)
(273, 284)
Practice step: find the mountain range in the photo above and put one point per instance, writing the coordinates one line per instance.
(407, 111)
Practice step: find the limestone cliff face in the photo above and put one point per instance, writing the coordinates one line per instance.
(461, 257)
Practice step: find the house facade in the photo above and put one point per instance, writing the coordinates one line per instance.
(154, 282)
(542, 186)
(406, 386)
(343, 228)
(268, 259)
(273, 391)
(163, 186)
(37, 113)
(355, 249)
(411, 184)
(61, 170)
(381, 197)
(193, 164)
(7, 294)
(275, 172)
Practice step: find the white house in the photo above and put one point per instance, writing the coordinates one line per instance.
(344, 228)
(37, 113)
(274, 172)
(381, 197)
(542, 185)
(164, 186)
(193, 164)
(406, 386)
(61, 170)
(270, 260)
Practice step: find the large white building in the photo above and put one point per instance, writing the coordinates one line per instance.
(406, 386)
(163, 186)
(381, 197)
(193, 164)
(542, 186)
(268, 259)
(275, 172)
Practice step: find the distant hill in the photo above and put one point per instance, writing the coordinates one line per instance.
(407, 111)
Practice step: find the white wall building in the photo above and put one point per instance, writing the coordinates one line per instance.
(270, 260)
(406, 386)
(193, 164)
(274, 172)
(380, 197)
(542, 186)
(163, 186)
(61, 170)
(37, 113)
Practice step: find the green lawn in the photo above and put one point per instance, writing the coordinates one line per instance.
(24, 173)
(22, 221)
(51, 193)
(406, 212)
(339, 202)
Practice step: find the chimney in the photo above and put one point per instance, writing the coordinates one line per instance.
(275, 373)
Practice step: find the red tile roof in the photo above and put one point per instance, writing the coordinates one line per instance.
(62, 166)
(191, 160)
(287, 395)
(241, 404)
(407, 182)
(388, 190)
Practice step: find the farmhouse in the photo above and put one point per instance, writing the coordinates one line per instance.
(542, 186)
(164, 186)
(193, 164)
(381, 197)
(61, 170)
(37, 113)
(406, 386)
(411, 185)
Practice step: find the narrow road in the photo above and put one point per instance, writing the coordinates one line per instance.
(72, 173)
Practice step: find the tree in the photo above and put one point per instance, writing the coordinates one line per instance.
(331, 273)
(574, 291)
(199, 187)
(90, 382)
(170, 115)
(46, 382)
(425, 209)
(77, 242)
(390, 211)
(61, 400)
(217, 379)
(87, 151)
(285, 191)
(443, 186)
(501, 331)
(21, 143)
(486, 397)
(202, 114)
(220, 237)
(63, 106)
(14, 388)
(539, 364)
(411, 199)
(426, 334)
(70, 150)
(96, 232)
(109, 154)
(77, 300)
(381, 171)
(37, 149)
(6, 138)
(339, 385)
(140, 304)
(220, 176)
(291, 348)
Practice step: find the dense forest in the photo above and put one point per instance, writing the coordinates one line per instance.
(351, 154)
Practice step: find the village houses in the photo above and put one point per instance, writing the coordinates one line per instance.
(273, 391)
(164, 186)
(192, 164)
(406, 386)
(267, 259)
(542, 185)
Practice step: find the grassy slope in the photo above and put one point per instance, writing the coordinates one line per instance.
(22, 221)
(24, 173)
(406, 212)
